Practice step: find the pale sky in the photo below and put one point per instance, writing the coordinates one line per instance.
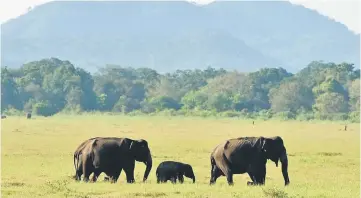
(344, 11)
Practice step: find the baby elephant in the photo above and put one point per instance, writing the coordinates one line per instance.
(170, 170)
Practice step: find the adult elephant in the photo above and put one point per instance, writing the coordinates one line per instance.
(111, 155)
(248, 154)
(78, 165)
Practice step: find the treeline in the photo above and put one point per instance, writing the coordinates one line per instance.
(326, 91)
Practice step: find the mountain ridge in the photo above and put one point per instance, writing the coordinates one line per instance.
(174, 35)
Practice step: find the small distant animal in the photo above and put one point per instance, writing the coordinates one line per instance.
(3, 116)
(28, 115)
(171, 170)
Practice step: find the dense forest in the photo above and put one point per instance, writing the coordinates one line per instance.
(325, 91)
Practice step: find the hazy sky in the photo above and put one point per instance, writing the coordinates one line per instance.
(344, 11)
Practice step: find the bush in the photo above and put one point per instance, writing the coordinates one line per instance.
(333, 116)
(354, 117)
(264, 114)
(305, 116)
(230, 114)
(285, 115)
(43, 108)
(10, 111)
(164, 102)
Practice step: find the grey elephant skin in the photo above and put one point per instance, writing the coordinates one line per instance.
(111, 155)
(248, 155)
(78, 164)
(171, 170)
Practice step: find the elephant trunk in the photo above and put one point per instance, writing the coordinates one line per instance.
(148, 163)
(194, 179)
(284, 161)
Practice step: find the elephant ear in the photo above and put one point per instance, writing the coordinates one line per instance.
(226, 145)
(143, 142)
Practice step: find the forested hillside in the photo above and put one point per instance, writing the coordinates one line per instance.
(171, 35)
(50, 86)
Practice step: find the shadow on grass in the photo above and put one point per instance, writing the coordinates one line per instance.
(275, 193)
(150, 194)
(13, 184)
(62, 187)
(329, 154)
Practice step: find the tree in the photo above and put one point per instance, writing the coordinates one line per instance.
(291, 96)
(330, 103)
(163, 102)
(9, 90)
(195, 99)
(354, 91)
(220, 102)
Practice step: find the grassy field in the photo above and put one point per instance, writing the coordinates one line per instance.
(36, 156)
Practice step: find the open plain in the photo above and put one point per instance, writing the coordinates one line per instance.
(37, 156)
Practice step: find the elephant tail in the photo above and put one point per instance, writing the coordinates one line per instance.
(76, 162)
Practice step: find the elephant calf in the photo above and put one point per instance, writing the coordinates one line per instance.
(171, 170)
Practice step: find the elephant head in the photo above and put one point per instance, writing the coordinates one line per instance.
(275, 150)
(188, 172)
(141, 153)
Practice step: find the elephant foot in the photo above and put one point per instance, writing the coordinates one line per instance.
(250, 183)
(130, 181)
(254, 184)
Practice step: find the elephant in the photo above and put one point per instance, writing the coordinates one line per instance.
(78, 165)
(248, 154)
(171, 170)
(111, 155)
(28, 115)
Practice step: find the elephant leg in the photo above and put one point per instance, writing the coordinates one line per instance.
(261, 179)
(226, 170)
(215, 173)
(96, 175)
(229, 176)
(116, 175)
(87, 171)
(79, 170)
(78, 174)
(173, 179)
(107, 178)
(158, 179)
(258, 175)
(87, 174)
(129, 172)
(252, 178)
(164, 179)
(181, 178)
(251, 173)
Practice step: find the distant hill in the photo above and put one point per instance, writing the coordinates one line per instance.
(166, 36)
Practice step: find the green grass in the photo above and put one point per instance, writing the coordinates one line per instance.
(36, 156)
